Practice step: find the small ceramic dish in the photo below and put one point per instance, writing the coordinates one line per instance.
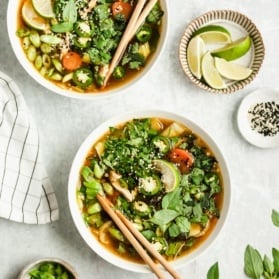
(239, 26)
(260, 133)
(24, 274)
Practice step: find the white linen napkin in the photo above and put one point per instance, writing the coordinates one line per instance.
(26, 193)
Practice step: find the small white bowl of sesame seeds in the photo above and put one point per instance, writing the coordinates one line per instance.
(258, 118)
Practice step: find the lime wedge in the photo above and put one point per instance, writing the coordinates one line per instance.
(216, 37)
(32, 18)
(234, 50)
(231, 70)
(44, 8)
(195, 51)
(170, 174)
(214, 34)
(210, 73)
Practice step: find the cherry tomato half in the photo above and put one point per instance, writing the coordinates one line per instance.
(122, 9)
(183, 158)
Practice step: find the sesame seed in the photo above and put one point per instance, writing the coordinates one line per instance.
(264, 118)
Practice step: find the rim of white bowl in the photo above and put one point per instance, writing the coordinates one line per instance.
(13, 7)
(73, 184)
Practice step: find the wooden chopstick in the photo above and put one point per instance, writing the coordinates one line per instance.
(147, 245)
(133, 236)
(125, 39)
(143, 15)
(107, 207)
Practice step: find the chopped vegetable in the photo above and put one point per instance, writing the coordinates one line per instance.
(83, 77)
(119, 72)
(71, 61)
(150, 185)
(121, 10)
(183, 158)
(83, 28)
(144, 34)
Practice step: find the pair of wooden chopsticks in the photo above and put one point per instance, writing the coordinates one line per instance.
(137, 240)
(137, 18)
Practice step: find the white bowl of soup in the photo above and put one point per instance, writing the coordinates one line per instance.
(69, 47)
(164, 173)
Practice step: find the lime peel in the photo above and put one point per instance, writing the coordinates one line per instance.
(195, 51)
(211, 27)
(44, 8)
(210, 73)
(214, 34)
(234, 50)
(170, 174)
(231, 70)
(32, 18)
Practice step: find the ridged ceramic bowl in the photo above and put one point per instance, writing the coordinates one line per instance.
(239, 26)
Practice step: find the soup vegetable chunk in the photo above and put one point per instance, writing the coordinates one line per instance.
(73, 43)
(162, 177)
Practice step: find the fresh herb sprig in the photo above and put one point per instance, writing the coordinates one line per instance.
(256, 266)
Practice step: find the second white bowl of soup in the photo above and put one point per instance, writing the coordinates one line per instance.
(69, 47)
(164, 173)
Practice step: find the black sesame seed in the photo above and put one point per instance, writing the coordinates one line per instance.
(264, 118)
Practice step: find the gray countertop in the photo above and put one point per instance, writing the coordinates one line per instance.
(64, 123)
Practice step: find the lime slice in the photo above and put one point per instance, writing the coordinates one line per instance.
(195, 51)
(214, 34)
(43, 8)
(234, 50)
(210, 73)
(170, 174)
(231, 70)
(32, 18)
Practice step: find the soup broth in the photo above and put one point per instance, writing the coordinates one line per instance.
(162, 177)
(76, 53)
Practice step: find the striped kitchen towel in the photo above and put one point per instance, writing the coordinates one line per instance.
(26, 193)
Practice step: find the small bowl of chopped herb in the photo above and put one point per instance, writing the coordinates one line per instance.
(221, 51)
(48, 268)
(258, 118)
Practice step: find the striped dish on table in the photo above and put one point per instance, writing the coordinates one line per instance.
(241, 24)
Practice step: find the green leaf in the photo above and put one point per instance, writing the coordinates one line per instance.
(174, 230)
(213, 272)
(183, 224)
(163, 217)
(172, 199)
(253, 265)
(268, 265)
(70, 12)
(275, 217)
(62, 27)
(275, 254)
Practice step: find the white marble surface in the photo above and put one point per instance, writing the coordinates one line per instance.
(64, 123)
